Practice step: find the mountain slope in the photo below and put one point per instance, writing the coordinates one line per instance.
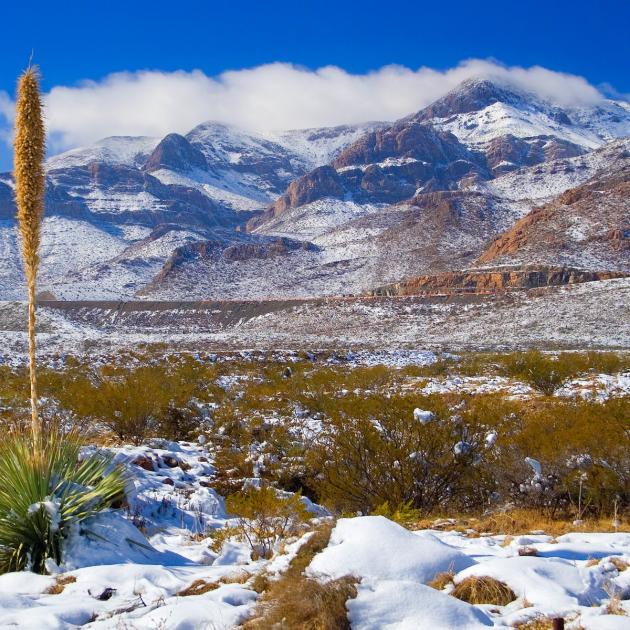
(587, 226)
(477, 132)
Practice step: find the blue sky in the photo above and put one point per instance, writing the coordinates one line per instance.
(74, 41)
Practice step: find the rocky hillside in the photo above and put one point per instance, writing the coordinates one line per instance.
(588, 225)
(478, 131)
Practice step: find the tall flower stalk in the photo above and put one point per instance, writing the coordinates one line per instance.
(29, 151)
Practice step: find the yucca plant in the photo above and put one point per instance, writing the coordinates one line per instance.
(45, 485)
(45, 491)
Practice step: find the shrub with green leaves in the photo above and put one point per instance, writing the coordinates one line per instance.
(544, 373)
(44, 489)
(265, 517)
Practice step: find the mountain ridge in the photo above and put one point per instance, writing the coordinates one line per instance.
(371, 203)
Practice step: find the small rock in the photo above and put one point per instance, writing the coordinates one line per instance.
(168, 481)
(106, 594)
(144, 462)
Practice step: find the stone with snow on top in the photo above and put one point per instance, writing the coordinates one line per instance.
(423, 416)
(377, 548)
(405, 605)
(462, 448)
(491, 438)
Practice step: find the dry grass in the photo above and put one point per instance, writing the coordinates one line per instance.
(619, 563)
(592, 562)
(483, 590)
(296, 602)
(614, 607)
(442, 580)
(60, 584)
(199, 587)
(518, 522)
(541, 623)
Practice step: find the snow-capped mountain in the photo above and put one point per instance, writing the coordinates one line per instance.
(337, 210)
(116, 210)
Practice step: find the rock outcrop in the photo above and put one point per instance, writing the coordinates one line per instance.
(493, 281)
(174, 152)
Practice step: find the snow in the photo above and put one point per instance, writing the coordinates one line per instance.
(551, 583)
(146, 572)
(561, 580)
(591, 127)
(376, 548)
(124, 150)
(407, 605)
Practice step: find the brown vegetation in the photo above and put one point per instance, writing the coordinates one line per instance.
(483, 590)
(60, 584)
(301, 603)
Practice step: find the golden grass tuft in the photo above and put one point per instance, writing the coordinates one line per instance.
(483, 590)
(28, 169)
(517, 522)
(300, 603)
(442, 580)
(614, 607)
(60, 584)
(200, 586)
(539, 623)
(619, 563)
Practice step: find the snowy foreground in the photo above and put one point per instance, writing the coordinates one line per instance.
(125, 568)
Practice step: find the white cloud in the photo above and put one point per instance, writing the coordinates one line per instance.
(273, 96)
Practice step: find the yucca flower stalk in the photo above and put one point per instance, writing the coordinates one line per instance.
(29, 151)
(47, 485)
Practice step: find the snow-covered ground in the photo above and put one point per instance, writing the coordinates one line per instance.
(598, 387)
(580, 316)
(571, 576)
(128, 568)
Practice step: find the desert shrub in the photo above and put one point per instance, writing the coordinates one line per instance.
(373, 451)
(265, 518)
(543, 372)
(483, 590)
(403, 514)
(582, 447)
(159, 399)
(44, 489)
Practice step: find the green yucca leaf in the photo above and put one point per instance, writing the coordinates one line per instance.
(43, 491)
